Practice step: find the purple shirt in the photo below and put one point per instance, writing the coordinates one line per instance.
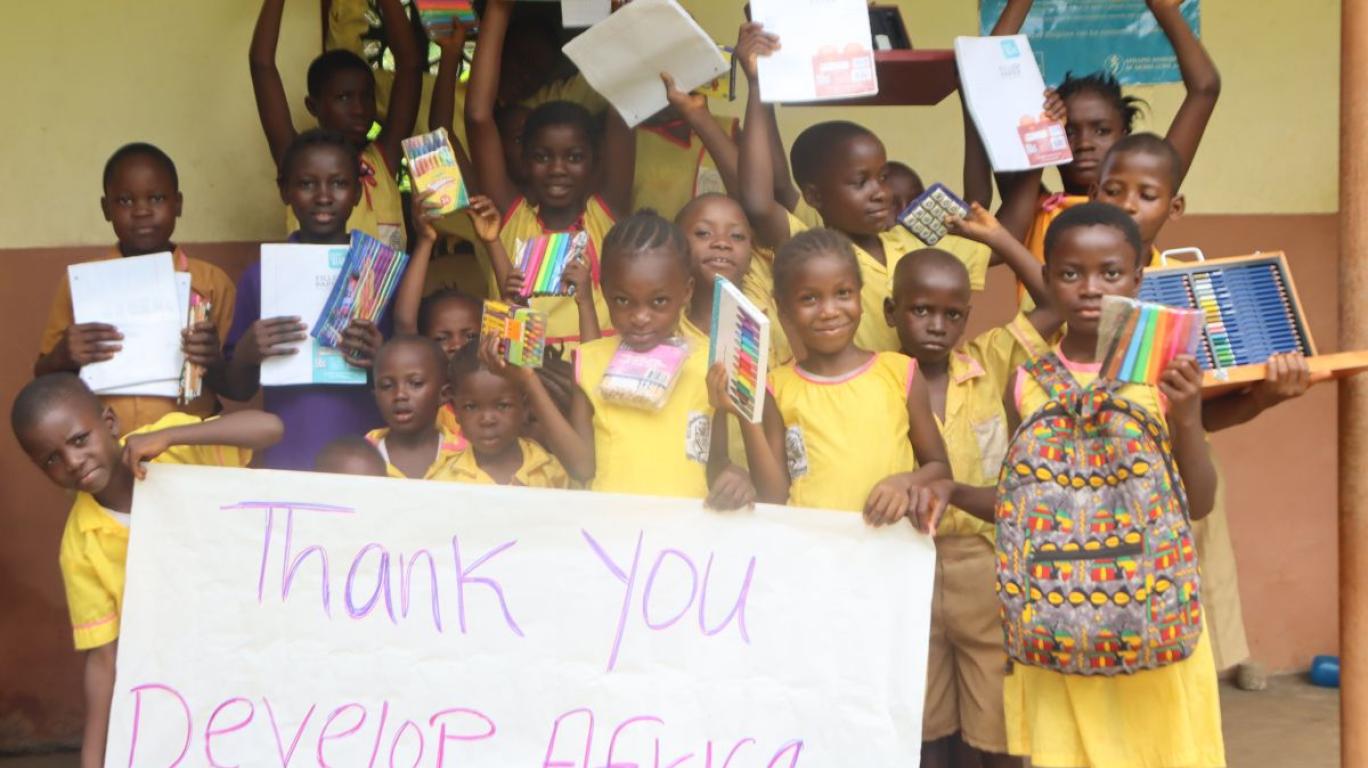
(314, 414)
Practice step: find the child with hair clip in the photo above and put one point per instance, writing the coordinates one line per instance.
(320, 182)
(858, 430)
(575, 189)
(342, 97)
(1098, 115)
(626, 433)
(1166, 712)
(410, 385)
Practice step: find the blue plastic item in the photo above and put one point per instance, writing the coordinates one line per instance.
(1325, 671)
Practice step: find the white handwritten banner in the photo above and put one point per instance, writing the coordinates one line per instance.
(293, 619)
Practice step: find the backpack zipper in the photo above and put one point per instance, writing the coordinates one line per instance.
(1088, 554)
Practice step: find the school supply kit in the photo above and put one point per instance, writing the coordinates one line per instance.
(925, 216)
(740, 340)
(432, 164)
(521, 332)
(441, 17)
(644, 379)
(1003, 91)
(1136, 340)
(369, 277)
(543, 260)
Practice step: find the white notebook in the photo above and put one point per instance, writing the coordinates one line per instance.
(296, 281)
(1005, 94)
(826, 52)
(137, 295)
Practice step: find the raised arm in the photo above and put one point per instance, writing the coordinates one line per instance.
(980, 226)
(978, 173)
(618, 152)
(693, 108)
(1200, 79)
(482, 132)
(407, 92)
(755, 164)
(409, 296)
(272, 106)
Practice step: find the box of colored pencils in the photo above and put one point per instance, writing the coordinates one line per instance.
(521, 332)
(740, 341)
(432, 164)
(543, 259)
(1136, 340)
(440, 17)
(925, 216)
(369, 277)
(192, 376)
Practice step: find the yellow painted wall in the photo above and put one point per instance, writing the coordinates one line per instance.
(87, 77)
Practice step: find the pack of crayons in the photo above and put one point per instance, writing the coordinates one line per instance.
(432, 164)
(521, 332)
(543, 259)
(644, 379)
(192, 376)
(440, 17)
(1137, 339)
(740, 340)
(925, 216)
(369, 277)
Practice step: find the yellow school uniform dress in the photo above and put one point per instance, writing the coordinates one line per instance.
(380, 211)
(758, 286)
(670, 172)
(965, 661)
(845, 434)
(450, 444)
(1049, 209)
(94, 548)
(539, 469)
(1158, 718)
(522, 223)
(211, 285)
(653, 453)
(874, 332)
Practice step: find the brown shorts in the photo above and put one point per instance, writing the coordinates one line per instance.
(965, 664)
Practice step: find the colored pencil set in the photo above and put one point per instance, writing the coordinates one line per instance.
(521, 332)
(740, 340)
(440, 17)
(192, 376)
(432, 165)
(543, 260)
(369, 277)
(1137, 339)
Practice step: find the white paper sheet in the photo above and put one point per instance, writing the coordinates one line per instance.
(826, 52)
(622, 57)
(165, 387)
(584, 13)
(1005, 94)
(296, 281)
(331, 618)
(137, 295)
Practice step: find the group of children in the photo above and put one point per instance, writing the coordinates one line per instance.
(877, 403)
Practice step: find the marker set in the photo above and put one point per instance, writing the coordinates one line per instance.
(543, 260)
(1249, 306)
(369, 277)
(740, 340)
(440, 17)
(432, 165)
(925, 216)
(1136, 340)
(521, 332)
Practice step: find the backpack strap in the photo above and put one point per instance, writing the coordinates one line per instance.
(1050, 373)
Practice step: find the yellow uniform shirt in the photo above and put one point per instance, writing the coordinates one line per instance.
(670, 172)
(208, 282)
(975, 425)
(874, 332)
(522, 223)
(94, 548)
(539, 469)
(653, 453)
(1159, 717)
(450, 444)
(380, 211)
(844, 435)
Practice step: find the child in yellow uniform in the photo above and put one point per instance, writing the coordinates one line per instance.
(490, 402)
(410, 386)
(929, 309)
(840, 170)
(142, 201)
(1156, 718)
(342, 97)
(619, 447)
(575, 190)
(74, 439)
(859, 434)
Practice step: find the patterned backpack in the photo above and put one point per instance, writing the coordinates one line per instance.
(1097, 570)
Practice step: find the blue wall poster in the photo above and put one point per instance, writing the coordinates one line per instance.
(1083, 36)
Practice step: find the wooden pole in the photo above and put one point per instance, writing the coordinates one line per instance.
(1353, 391)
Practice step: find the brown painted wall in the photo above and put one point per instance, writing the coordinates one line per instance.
(1284, 531)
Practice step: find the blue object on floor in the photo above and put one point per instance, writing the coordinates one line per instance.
(1325, 671)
